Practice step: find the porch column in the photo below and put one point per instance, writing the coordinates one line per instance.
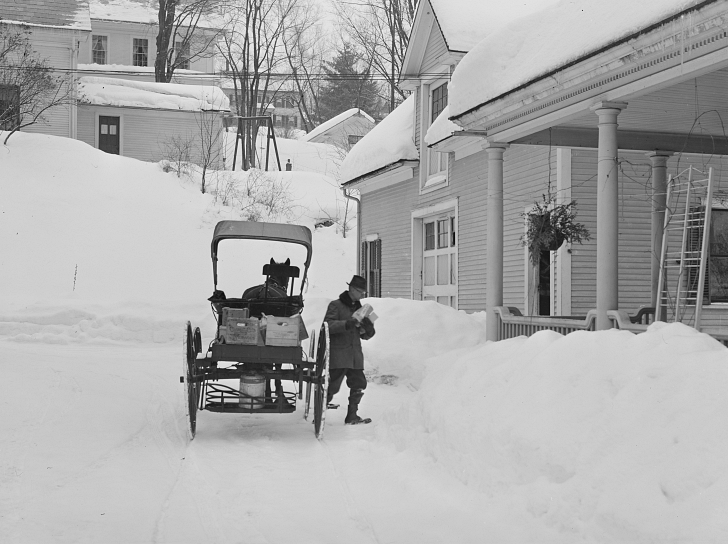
(494, 233)
(607, 212)
(659, 203)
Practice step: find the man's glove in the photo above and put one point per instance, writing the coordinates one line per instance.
(351, 324)
(367, 329)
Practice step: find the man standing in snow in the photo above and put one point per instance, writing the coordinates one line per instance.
(346, 357)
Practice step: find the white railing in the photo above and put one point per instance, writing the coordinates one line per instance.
(512, 324)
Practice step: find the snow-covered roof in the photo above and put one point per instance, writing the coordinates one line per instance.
(331, 123)
(58, 13)
(103, 91)
(135, 11)
(534, 45)
(387, 143)
(441, 128)
(464, 22)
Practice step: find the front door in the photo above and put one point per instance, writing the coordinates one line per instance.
(439, 267)
(109, 134)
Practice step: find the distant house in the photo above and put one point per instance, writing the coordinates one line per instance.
(138, 119)
(58, 29)
(344, 130)
(123, 44)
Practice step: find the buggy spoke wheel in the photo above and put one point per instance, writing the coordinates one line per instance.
(322, 381)
(192, 388)
(309, 373)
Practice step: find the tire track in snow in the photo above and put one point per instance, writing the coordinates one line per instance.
(354, 512)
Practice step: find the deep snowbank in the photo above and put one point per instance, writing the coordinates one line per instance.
(602, 437)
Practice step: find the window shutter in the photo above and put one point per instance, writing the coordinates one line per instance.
(375, 268)
(363, 264)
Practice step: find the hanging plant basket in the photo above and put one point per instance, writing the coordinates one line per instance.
(549, 225)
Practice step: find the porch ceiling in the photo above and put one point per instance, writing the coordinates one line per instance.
(691, 116)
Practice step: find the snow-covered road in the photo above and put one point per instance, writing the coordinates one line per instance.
(95, 449)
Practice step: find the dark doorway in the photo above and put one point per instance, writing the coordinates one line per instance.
(544, 283)
(109, 134)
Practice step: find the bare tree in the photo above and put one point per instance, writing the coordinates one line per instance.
(29, 88)
(380, 28)
(304, 50)
(253, 49)
(210, 144)
(185, 33)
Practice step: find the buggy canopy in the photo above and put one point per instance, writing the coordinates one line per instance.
(256, 230)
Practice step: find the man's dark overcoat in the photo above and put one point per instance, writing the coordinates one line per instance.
(345, 344)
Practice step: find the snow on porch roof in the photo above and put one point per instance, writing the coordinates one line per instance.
(387, 143)
(327, 125)
(533, 46)
(103, 91)
(464, 22)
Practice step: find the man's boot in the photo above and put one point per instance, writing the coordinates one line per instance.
(352, 418)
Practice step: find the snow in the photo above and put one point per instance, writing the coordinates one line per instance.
(106, 91)
(137, 11)
(331, 123)
(593, 437)
(484, 17)
(531, 46)
(387, 143)
(441, 128)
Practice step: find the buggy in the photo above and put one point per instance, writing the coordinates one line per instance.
(257, 341)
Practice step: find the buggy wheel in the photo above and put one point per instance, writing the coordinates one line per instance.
(309, 374)
(192, 387)
(322, 381)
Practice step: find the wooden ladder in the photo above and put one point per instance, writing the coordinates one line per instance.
(684, 254)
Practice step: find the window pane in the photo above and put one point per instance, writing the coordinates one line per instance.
(443, 300)
(439, 100)
(104, 129)
(718, 277)
(430, 270)
(452, 232)
(429, 236)
(140, 50)
(183, 55)
(112, 129)
(443, 238)
(98, 49)
(443, 269)
(453, 269)
(719, 233)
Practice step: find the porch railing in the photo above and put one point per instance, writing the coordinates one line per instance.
(512, 323)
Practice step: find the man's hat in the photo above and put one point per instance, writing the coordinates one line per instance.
(358, 283)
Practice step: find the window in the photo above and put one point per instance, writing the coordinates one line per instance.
(429, 236)
(718, 263)
(439, 261)
(99, 48)
(353, 138)
(439, 101)
(9, 107)
(443, 228)
(371, 266)
(140, 52)
(183, 55)
(437, 163)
